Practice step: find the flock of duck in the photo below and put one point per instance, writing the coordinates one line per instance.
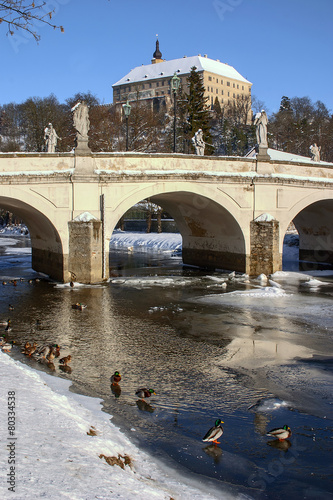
(215, 432)
(42, 353)
(48, 353)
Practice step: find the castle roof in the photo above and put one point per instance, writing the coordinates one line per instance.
(180, 66)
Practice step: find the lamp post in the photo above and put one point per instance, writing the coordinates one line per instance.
(127, 112)
(175, 82)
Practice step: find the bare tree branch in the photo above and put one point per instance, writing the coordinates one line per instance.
(23, 15)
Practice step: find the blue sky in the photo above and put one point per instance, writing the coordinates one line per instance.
(284, 47)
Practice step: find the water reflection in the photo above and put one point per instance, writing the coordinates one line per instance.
(205, 360)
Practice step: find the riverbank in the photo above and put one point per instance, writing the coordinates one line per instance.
(59, 443)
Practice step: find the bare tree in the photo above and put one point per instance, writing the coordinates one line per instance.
(23, 14)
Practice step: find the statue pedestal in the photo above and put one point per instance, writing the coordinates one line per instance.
(262, 154)
(82, 147)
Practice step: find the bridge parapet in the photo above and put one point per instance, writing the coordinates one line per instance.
(136, 164)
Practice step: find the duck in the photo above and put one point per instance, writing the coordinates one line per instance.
(144, 393)
(57, 350)
(40, 352)
(11, 307)
(5, 322)
(30, 350)
(8, 327)
(214, 432)
(26, 347)
(7, 347)
(115, 378)
(66, 360)
(79, 306)
(51, 355)
(3, 340)
(280, 432)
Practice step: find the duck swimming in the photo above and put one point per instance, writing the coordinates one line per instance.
(5, 322)
(280, 433)
(144, 393)
(214, 432)
(116, 378)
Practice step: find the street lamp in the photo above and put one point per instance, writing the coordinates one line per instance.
(175, 83)
(127, 112)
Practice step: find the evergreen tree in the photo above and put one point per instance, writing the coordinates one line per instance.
(194, 112)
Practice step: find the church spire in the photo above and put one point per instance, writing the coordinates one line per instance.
(157, 56)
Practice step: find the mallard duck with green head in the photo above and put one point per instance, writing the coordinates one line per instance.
(115, 378)
(214, 432)
(280, 433)
(144, 393)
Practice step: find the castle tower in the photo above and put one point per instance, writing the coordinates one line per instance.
(157, 56)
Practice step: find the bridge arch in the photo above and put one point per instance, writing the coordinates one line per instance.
(46, 243)
(312, 217)
(206, 218)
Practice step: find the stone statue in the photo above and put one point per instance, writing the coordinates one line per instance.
(82, 124)
(199, 143)
(50, 137)
(261, 121)
(315, 152)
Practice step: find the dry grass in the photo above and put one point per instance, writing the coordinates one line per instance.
(92, 431)
(121, 460)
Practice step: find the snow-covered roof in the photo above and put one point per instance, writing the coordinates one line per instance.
(277, 155)
(180, 66)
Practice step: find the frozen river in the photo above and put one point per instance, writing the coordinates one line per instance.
(256, 354)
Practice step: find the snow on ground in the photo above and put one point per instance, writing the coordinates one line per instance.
(164, 242)
(55, 457)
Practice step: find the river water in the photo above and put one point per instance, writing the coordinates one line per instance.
(211, 346)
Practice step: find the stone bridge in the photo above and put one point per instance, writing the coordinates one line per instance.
(232, 212)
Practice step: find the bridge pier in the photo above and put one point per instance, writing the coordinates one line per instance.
(85, 257)
(265, 257)
(48, 262)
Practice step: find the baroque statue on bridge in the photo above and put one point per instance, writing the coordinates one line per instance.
(82, 125)
(315, 152)
(50, 138)
(199, 143)
(81, 119)
(261, 122)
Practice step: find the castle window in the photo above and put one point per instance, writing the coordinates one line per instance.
(242, 87)
(237, 86)
(157, 84)
(228, 95)
(222, 94)
(233, 85)
(217, 80)
(209, 78)
(233, 95)
(217, 91)
(150, 85)
(143, 86)
(228, 84)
